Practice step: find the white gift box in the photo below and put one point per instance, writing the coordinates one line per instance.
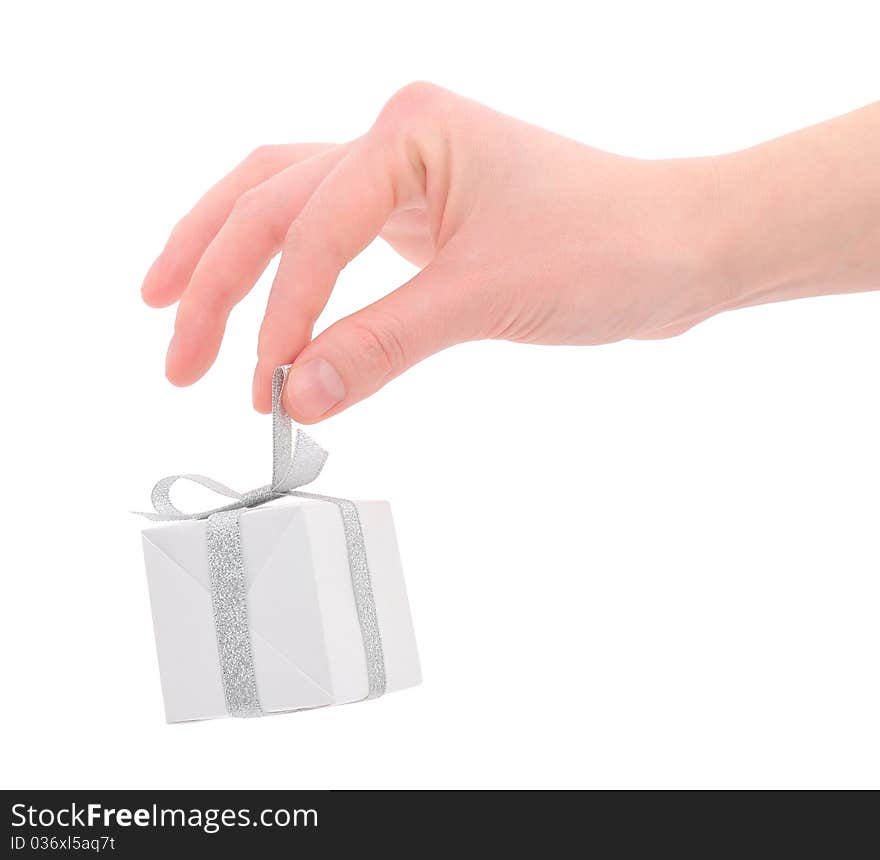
(306, 641)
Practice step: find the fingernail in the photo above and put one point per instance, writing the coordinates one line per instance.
(313, 389)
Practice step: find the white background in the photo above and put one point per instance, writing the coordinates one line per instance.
(654, 564)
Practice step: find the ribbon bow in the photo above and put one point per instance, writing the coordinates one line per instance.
(295, 463)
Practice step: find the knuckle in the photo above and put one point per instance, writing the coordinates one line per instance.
(326, 252)
(262, 208)
(250, 203)
(295, 245)
(295, 234)
(263, 156)
(180, 231)
(175, 236)
(267, 345)
(411, 101)
(376, 344)
(199, 312)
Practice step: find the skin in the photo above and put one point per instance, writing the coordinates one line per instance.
(518, 234)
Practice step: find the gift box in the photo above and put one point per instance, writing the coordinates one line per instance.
(281, 601)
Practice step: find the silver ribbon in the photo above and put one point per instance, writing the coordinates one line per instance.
(296, 461)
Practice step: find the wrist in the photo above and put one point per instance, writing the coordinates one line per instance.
(762, 248)
(799, 216)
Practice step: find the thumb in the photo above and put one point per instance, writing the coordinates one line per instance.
(357, 355)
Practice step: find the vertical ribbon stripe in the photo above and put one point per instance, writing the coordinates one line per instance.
(362, 585)
(229, 601)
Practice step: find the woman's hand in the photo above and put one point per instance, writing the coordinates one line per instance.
(519, 234)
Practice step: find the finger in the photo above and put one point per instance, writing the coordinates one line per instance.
(343, 216)
(170, 273)
(234, 261)
(356, 356)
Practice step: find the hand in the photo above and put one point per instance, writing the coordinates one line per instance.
(519, 234)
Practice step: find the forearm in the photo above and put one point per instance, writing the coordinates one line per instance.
(800, 215)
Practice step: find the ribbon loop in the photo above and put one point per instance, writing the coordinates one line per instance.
(296, 461)
(165, 508)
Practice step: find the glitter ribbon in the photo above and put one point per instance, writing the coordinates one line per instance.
(296, 461)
